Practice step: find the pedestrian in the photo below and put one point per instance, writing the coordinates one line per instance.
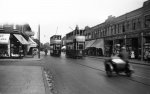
(146, 56)
(132, 55)
(46, 51)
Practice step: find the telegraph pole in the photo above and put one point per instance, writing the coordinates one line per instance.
(39, 41)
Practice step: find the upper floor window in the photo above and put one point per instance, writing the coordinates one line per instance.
(114, 29)
(133, 24)
(139, 23)
(123, 27)
(147, 21)
(127, 25)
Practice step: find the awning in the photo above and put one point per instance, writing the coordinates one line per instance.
(4, 38)
(31, 43)
(89, 43)
(99, 43)
(21, 39)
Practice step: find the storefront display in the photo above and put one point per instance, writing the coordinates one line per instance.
(4, 45)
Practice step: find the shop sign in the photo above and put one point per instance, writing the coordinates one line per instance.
(132, 35)
(4, 38)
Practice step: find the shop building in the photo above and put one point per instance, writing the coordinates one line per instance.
(13, 43)
(131, 30)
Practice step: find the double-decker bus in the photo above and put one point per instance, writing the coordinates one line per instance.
(55, 45)
(75, 43)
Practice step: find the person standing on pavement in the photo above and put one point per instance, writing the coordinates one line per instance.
(148, 57)
(46, 51)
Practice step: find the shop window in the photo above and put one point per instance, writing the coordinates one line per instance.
(3, 50)
(147, 21)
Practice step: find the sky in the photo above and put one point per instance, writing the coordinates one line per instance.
(61, 16)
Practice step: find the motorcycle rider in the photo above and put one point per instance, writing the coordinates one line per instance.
(124, 55)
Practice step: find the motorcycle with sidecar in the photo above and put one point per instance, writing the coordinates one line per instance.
(117, 65)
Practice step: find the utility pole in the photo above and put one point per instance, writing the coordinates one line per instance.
(39, 41)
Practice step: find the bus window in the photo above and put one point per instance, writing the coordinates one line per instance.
(57, 47)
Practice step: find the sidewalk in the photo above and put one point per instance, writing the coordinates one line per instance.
(21, 80)
(134, 61)
(26, 58)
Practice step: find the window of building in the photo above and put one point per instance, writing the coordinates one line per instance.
(123, 27)
(114, 29)
(139, 25)
(127, 25)
(118, 28)
(133, 24)
(147, 21)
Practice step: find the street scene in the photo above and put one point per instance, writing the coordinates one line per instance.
(75, 76)
(75, 47)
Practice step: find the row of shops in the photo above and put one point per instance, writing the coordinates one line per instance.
(136, 43)
(15, 45)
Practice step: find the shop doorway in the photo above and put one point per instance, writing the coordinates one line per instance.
(133, 47)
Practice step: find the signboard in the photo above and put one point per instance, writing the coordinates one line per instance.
(4, 38)
(80, 38)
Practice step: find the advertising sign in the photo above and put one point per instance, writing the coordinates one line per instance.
(4, 38)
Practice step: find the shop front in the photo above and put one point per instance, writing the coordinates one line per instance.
(119, 41)
(108, 46)
(146, 43)
(4, 45)
(133, 45)
(99, 47)
(18, 46)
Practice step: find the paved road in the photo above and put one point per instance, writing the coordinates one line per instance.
(87, 76)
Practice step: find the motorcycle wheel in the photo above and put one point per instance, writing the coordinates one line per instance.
(109, 73)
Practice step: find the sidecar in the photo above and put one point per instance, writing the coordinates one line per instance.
(117, 65)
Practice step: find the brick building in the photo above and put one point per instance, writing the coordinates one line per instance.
(131, 30)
